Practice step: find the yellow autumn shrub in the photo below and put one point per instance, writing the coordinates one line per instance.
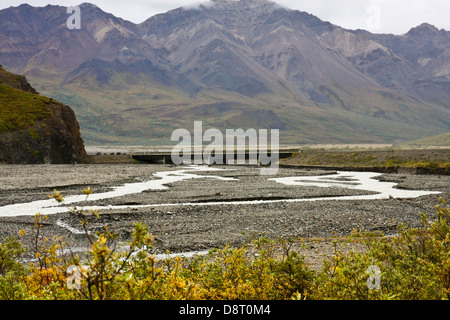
(414, 264)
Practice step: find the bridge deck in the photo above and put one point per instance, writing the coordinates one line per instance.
(164, 156)
(236, 151)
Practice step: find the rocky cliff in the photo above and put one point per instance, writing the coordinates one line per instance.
(35, 129)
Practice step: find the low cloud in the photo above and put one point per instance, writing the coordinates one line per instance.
(395, 16)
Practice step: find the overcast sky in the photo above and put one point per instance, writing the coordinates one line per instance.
(378, 16)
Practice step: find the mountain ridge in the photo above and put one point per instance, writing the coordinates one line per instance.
(131, 83)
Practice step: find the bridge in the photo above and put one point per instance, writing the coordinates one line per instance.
(164, 156)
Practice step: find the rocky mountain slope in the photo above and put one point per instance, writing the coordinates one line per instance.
(232, 64)
(35, 129)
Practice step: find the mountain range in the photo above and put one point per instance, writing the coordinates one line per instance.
(232, 64)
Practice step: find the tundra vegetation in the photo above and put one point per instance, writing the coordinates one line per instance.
(20, 109)
(433, 160)
(414, 264)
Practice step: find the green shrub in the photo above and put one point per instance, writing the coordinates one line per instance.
(415, 264)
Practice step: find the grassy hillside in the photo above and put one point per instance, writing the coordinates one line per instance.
(441, 140)
(433, 159)
(20, 109)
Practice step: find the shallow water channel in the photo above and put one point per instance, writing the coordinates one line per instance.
(352, 180)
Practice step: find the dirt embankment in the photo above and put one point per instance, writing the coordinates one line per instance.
(420, 161)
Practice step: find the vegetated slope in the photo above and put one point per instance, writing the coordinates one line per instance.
(233, 64)
(34, 128)
(441, 140)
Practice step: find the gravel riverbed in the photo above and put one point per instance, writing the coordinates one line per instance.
(184, 228)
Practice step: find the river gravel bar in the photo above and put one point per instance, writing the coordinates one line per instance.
(227, 205)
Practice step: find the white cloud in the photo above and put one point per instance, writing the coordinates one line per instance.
(396, 16)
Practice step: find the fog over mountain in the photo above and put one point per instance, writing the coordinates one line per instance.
(244, 64)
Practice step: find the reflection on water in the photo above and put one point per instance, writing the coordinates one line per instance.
(351, 180)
